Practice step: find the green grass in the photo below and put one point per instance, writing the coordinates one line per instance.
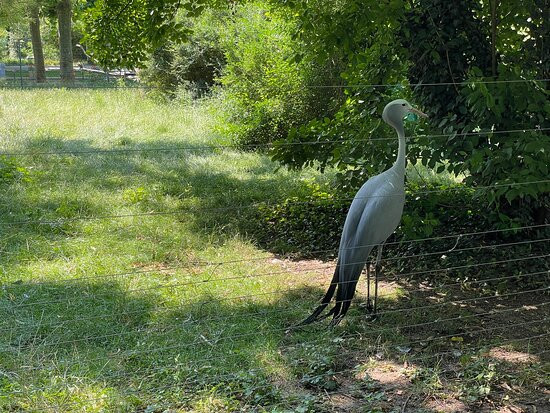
(83, 79)
(170, 331)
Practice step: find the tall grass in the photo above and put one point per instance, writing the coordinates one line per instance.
(125, 313)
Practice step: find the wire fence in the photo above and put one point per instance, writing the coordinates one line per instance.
(198, 148)
(200, 357)
(100, 82)
(430, 318)
(59, 221)
(271, 274)
(292, 310)
(354, 357)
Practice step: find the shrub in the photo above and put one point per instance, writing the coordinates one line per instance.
(194, 64)
(303, 227)
(312, 228)
(266, 91)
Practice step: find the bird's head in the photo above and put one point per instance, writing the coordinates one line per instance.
(396, 110)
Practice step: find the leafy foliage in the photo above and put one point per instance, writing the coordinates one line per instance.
(265, 91)
(433, 41)
(121, 33)
(480, 377)
(500, 159)
(195, 63)
(456, 47)
(307, 226)
(313, 226)
(345, 33)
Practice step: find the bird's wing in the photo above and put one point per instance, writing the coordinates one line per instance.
(374, 214)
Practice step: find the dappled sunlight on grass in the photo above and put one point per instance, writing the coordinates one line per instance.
(175, 306)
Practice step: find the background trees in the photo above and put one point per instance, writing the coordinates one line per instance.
(297, 71)
(23, 20)
(64, 16)
(36, 40)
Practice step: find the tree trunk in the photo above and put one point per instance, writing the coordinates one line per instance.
(37, 50)
(65, 41)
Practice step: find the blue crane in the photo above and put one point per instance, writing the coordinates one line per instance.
(374, 214)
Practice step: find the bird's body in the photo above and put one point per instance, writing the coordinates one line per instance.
(373, 216)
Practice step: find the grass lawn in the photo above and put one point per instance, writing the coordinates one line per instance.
(130, 282)
(82, 79)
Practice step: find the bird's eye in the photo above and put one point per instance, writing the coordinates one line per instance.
(402, 104)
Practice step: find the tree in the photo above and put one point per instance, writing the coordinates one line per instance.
(463, 44)
(502, 43)
(36, 39)
(13, 12)
(123, 33)
(64, 18)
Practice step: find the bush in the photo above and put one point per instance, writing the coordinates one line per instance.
(266, 91)
(312, 228)
(194, 64)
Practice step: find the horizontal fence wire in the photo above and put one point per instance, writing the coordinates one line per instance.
(330, 373)
(59, 221)
(288, 310)
(281, 272)
(138, 85)
(297, 327)
(185, 284)
(198, 148)
(336, 372)
(285, 329)
(199, 264)
(347, 353)
(284, 272)
(236, 318)
(212, 344)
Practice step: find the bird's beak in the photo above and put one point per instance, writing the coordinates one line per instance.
(418, 112)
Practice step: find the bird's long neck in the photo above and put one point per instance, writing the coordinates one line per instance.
(401, 161)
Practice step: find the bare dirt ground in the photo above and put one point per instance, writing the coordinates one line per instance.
(492, 357)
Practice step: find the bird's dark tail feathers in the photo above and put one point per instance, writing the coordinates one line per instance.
(326, 300)
(344, 295)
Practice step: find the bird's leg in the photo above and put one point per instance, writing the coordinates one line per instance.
(369, 302)
(376, 272)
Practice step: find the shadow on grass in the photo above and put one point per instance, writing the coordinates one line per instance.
(66, 345)
(68, 342)
(58, 190)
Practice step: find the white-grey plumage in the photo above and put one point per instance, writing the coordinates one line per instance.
(373, 216)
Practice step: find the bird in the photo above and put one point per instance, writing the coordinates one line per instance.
(374, 214)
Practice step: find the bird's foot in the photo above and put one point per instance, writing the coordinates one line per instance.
(367, 306)
(372, 316)
(335, 321)
(370, 306)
